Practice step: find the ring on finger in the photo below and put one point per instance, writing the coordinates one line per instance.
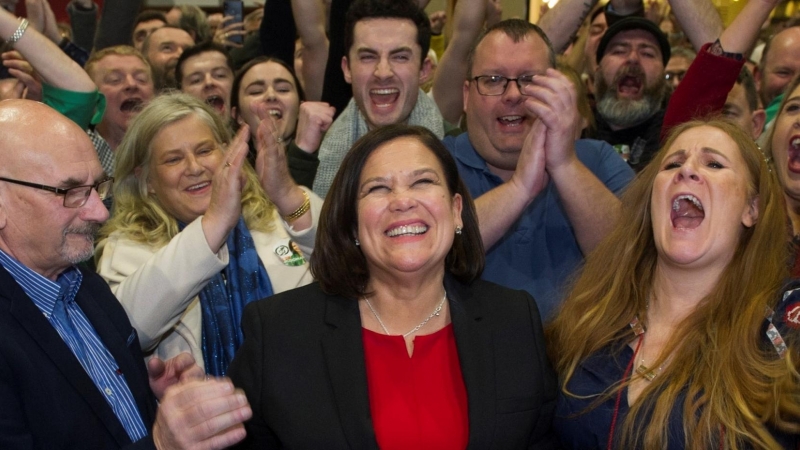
(228, 164)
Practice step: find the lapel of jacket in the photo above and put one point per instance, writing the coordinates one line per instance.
(344, 356)
(121, 341)
(36, 325)
(474, 344)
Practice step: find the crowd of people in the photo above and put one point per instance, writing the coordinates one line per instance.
(354, 224)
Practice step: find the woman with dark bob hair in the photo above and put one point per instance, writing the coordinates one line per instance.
(679, 333)
(398, 344)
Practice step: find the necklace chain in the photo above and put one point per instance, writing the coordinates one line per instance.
(647, 373)
(416, 328)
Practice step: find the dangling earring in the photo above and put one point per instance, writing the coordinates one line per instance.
(458, 230)
(357, 242)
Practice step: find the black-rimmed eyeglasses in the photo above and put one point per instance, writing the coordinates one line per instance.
(497, 84)
(74, 197)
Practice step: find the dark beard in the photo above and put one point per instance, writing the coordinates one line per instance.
(626, 113)
(164, 78)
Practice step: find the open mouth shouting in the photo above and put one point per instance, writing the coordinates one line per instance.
(216, 102)
(793, 162)
(630, 81)
(134, 104)
(384, 97)
(687, 212)
(629, 86)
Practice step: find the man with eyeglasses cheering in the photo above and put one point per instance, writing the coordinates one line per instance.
(71, 370)
(543, 199)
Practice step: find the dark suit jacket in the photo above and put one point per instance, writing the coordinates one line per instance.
(47, 400)
(302, 368)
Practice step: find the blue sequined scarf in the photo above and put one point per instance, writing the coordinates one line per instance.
(222, 303)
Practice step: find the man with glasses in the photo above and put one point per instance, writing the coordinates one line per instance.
(71, 370)
(543, 198)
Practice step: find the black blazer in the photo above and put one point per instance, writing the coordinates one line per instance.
(47, 400)
(302, 368)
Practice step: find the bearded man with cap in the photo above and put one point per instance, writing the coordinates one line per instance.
(630, 88)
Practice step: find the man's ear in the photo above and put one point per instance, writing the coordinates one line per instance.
(465, 95)
(3, 215)
(346, 70)
(426, 70)
(757, 75)
(759, 117)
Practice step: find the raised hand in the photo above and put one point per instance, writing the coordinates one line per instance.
(314, 120)
(225, 206)
(29, 85)
(271, 165)
(225, 31)
(553, 99)
(273, 171)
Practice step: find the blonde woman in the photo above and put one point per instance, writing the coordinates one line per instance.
(196, 233)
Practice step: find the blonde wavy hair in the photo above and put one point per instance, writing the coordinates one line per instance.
(139, 215)
(718, 359)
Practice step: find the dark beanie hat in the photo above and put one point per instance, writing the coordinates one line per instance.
(634, 23)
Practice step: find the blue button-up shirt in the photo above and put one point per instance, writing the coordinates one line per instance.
(539, 252)
(56, 300)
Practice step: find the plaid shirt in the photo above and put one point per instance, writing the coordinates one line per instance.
(104, 151)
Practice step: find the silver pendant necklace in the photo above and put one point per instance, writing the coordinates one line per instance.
(416, 328)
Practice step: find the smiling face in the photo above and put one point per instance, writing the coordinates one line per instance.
(785, 146)
(126, 83)
(268, 89)
(406, 215)
(165, 46)
(780, 65)
(185, 155)
(497, 125)
(702, 200)
(384, 68)
(207, 77)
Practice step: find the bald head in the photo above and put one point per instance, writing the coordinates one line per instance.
(42, 147)
(780, 63)
(27, 141)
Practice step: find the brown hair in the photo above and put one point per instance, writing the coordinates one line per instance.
(338, 264)
(517, 30)
(717, 358)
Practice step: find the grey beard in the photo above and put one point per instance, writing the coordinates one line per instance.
(626, 113)
(78, 255)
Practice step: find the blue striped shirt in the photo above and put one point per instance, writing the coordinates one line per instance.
(80, 336)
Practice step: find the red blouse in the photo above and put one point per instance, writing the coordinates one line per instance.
(420, 401)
